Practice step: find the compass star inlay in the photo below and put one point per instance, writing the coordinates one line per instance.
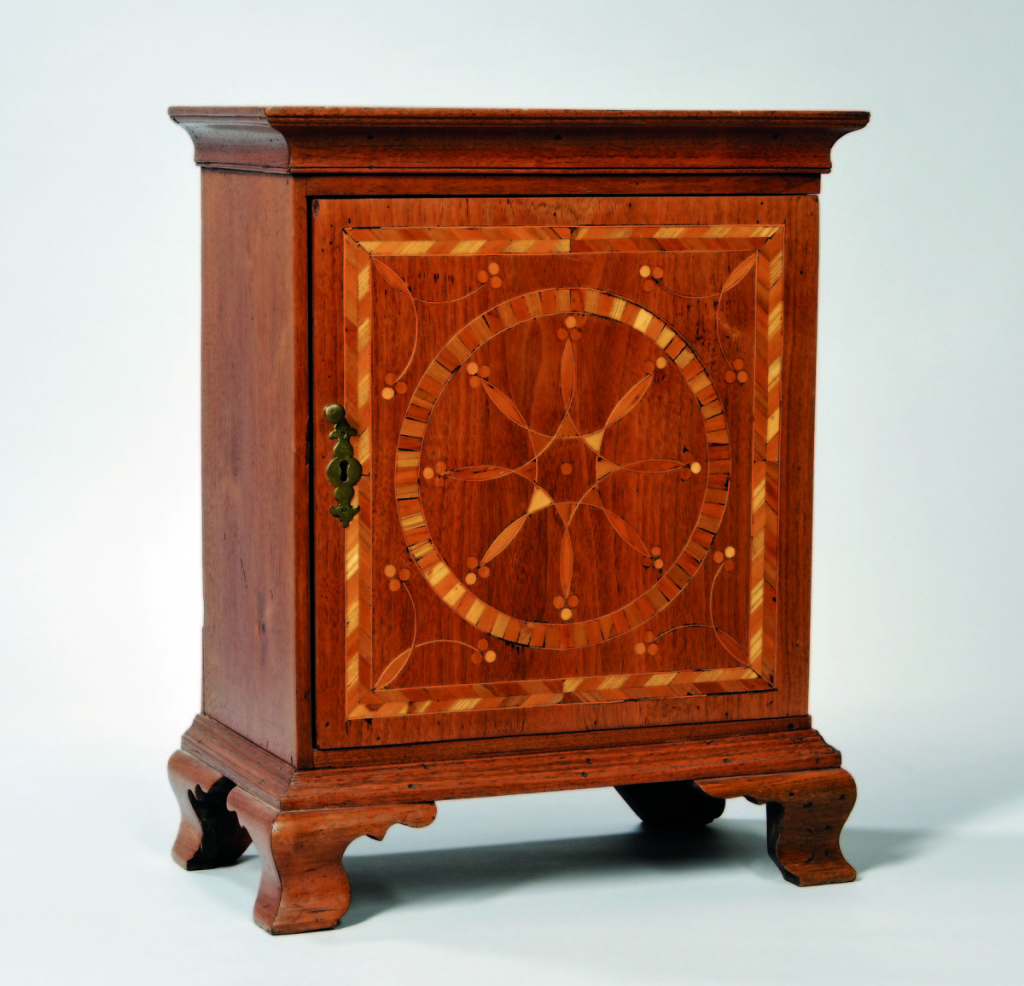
(699, 310)
(572, 457)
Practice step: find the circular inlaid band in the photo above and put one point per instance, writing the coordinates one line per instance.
(673, 576)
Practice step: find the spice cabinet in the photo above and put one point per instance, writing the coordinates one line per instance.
(508, 429)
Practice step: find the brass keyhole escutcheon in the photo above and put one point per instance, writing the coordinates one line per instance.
(344, 470)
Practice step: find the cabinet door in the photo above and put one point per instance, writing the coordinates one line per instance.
(569, 432)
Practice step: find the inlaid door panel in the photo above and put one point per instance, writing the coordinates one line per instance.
(570, 447)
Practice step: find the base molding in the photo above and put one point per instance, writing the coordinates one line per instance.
(302, 821)
(660, 756)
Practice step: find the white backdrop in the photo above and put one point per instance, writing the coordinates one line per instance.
(916, 648)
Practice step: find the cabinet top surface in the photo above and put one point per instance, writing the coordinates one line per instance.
(333, 140)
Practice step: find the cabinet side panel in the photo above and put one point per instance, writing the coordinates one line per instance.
(255, 523)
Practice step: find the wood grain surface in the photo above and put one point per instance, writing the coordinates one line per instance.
(265, 774)
(262, 220)
(570, 501)
(578, 352)
(304, 886)
(578, 349)
(528, 185)
(647, 760)
(408, 275)
(806, 814)
(255, 476)
(302, 822)
(329, 140)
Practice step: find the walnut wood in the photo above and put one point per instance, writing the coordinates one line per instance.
(229, 598)
(806, 814)
(268, 776)
(650, 762)
(672, 806)
(255, 477)
(304, 886)
(467, 749)
(209, 835)
(251, 767)
(535, 772)
(325, 140)
(316, 726)
(526, 184)
(799, 215)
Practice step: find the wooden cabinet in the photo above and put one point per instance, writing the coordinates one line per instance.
(508, 430)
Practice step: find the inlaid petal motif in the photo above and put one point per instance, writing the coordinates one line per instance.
(684, 384)
(394, 668)
(503, 540)
(566, 562)
(505, 404)
(392, 278)
(626, 532)
(739, 273)
(653, 465)
(568, 375)
(630, 399)
(480, 474)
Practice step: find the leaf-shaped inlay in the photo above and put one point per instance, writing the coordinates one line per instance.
(626, 532)
(395, 280)
(632, 397)
(392, 278)
(393, 669)
(731, 646)
(503, 540)
(568, 375)
(565, 566)
(739, 273)
(654, 465)
(505, 404)
(479, 474)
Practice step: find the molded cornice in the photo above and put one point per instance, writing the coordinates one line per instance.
(328, 140)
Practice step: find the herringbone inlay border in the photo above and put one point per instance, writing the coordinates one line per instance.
(368, 689)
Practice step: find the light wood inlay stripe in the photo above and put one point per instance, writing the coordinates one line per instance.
(769, 323)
